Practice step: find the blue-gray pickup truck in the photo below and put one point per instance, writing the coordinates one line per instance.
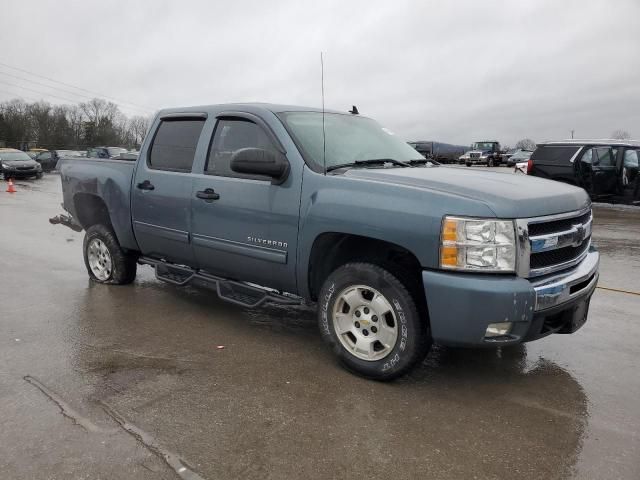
(272, 203)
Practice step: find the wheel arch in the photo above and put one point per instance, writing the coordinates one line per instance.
(330, 250)
(91, 210)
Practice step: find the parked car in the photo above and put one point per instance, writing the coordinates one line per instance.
(518, 156)
(49, 159)
(256, 202)
(17, 164)
(127, 156)
(485, 153)
(601, 167)
(105, 152)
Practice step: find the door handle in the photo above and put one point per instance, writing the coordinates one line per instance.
(146, 185)
(208, 194)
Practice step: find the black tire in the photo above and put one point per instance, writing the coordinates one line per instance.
(491, 163)
(468, 164)
(39, 175)
(413, 338)
(123, 264)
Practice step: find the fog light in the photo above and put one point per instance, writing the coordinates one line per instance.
(498, 329)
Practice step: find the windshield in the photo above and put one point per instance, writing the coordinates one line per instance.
(522, 155)
(348, 138)
(9, 156)
(482, 146)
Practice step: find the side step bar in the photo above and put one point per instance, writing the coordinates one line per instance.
(240, 293)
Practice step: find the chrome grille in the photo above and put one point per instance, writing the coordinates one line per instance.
(554, 243)
(474, 155)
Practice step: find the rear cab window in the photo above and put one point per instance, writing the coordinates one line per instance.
(174, 145)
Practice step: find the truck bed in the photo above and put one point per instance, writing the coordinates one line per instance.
(86, 180)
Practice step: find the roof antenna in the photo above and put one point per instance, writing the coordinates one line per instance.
(324, 144)
(354, 110)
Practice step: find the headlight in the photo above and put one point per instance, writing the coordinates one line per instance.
(476, 244)
(6, 167)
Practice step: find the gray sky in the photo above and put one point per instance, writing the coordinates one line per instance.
(453, 71)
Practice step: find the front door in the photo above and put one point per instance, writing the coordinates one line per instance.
(243, 226)
(161, 191)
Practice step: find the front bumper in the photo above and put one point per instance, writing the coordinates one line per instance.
(461, 306)
(21, 173)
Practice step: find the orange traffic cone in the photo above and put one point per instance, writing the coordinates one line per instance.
(11, 188)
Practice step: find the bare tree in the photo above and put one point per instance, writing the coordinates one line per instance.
(526, 144)
(138, 126)
(620, 134)
(96, 122)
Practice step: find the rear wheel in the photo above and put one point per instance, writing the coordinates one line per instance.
(371, 321)
(105, 260)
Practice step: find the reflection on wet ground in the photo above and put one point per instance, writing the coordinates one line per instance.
(273, 403)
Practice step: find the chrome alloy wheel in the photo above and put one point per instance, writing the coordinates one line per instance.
(99, 259)
(365, 322)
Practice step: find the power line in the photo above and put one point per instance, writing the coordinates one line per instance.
(39, 92)
(77, 88)
(62, 90)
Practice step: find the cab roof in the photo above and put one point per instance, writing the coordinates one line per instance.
(594, 141)
(248, 107)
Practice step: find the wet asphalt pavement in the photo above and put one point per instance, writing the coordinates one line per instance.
(128, 382)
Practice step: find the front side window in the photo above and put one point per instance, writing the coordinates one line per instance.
(174, 145)
(631, 159)
(230, 136)
(346, 139)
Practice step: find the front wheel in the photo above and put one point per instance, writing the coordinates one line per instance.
(39, 175)
(371, 322)
(105, 260)
(491, 162)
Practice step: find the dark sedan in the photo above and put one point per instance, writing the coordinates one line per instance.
(17, 164)
(49, 160)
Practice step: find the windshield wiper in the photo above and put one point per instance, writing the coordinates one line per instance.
(422, 161)
(371, 161)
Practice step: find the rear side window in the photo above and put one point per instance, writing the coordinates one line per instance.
(552, 154)
(605, 156)
(587, 157)
(174, 145)
(232, 135)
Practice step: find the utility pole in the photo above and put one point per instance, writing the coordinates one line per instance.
(572, 134)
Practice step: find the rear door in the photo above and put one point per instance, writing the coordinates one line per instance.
(605, 176)
(244, 227)
(161, 190)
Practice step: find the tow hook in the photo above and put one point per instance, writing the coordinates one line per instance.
(67, 221)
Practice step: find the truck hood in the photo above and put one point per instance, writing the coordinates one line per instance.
(508, 195)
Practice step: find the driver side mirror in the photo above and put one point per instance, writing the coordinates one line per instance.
(257, 161)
